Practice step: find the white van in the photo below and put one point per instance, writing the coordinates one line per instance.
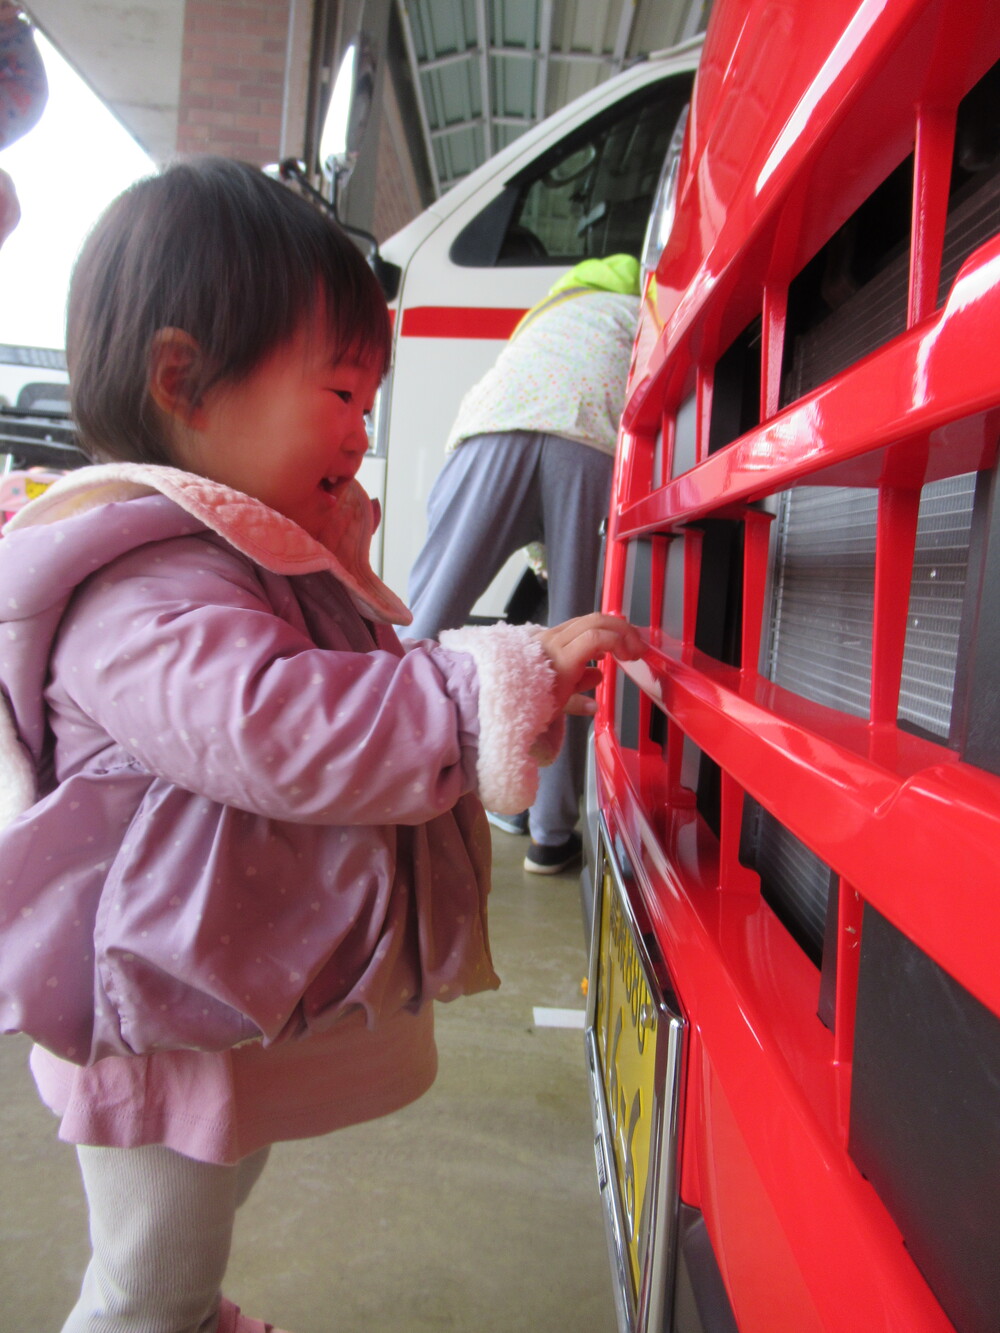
(579, 184)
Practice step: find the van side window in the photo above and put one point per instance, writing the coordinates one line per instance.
(591, 194)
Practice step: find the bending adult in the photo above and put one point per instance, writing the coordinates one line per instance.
(530, 458)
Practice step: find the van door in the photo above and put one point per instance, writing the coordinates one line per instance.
(471, 269)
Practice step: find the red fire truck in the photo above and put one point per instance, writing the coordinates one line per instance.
(795, 983)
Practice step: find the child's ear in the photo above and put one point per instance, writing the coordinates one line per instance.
(176, 365)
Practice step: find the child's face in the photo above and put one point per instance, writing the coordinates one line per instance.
(288, 433)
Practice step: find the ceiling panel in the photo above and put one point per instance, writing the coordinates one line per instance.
(487, 70)
(129, 52)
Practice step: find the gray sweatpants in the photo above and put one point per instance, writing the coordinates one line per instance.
(495, 495)
(161, 1227)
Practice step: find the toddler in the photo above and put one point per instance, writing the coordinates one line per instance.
(243, 846)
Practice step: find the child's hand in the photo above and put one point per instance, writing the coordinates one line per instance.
(570, 646)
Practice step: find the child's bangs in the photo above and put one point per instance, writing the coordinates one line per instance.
(357, 318)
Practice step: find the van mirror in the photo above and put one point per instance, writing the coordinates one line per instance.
(348, 111)
(569, 168)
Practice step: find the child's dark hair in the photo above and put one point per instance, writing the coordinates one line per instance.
(233, 258)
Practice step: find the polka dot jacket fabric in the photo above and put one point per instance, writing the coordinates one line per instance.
(253, 811)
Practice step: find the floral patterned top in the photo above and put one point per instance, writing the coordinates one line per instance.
(564, 373)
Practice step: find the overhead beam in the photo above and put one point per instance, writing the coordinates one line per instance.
(485, 81)
(414, 64)
(626, 21)
(544, 51)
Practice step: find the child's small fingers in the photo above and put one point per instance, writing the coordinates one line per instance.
(594, 641)
(589, 680)
(630, 646)
(580, 705)
(596, 620)
(603, 633)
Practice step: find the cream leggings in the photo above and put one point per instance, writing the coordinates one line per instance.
(161, 1227)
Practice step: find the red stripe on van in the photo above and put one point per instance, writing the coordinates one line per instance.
(458, 321)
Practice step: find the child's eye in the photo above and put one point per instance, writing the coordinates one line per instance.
(345, 395)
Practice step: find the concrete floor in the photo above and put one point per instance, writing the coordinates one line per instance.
(475, 1209)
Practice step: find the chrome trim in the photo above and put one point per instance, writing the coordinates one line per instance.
(378, 434)
(650, 1309)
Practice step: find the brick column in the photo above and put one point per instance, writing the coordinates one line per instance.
(232, 78)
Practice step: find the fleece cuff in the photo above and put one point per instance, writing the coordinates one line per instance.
(517, 729)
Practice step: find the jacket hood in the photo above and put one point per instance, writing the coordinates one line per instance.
(42, 569)
(251, 527)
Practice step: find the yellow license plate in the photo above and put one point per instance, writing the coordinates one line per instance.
(626, 1027)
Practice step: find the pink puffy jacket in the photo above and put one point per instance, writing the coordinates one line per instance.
(238, 808)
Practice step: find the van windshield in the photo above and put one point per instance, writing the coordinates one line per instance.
(592, 193)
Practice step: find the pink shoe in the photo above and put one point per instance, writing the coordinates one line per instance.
(231, 1321)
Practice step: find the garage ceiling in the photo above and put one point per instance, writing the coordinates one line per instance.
(486, 72)
(483, 71)
(129, 52)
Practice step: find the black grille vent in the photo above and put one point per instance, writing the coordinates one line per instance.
(823, 604)
(869, 318)
(795, 883)
(971, 221)
(925, 1118)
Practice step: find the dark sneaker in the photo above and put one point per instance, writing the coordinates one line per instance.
(508, 823)
(542, 860)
